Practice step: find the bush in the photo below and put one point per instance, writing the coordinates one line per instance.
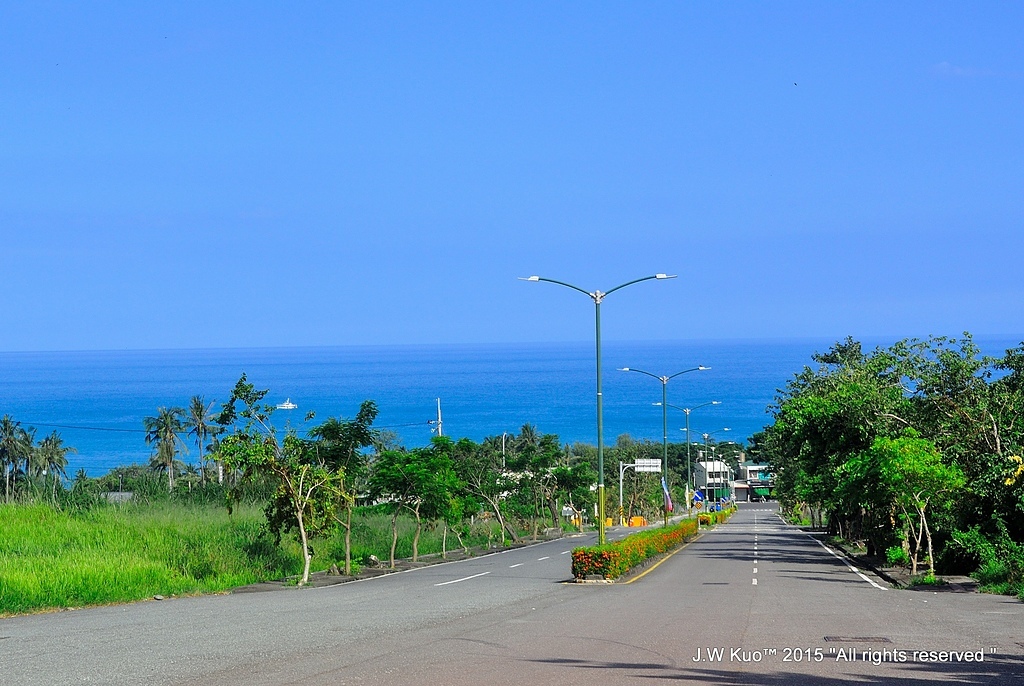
(711, 518)
(612, 560)
(896, 556)
(927, 580)
(999, 563)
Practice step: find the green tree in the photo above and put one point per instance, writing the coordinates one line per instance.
(827, 415)
(199, 423)
(306, 492)
(485, 474)
(339, 446)
(162, 434)
(15, 449)
(52, 456)
(914, 470)
(421, 481)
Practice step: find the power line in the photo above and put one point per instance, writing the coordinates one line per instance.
(83, 428)
(142, 431)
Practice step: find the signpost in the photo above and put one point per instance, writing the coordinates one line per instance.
(641, 465)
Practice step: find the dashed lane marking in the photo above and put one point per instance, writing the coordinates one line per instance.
(465, 578)
(515, 565)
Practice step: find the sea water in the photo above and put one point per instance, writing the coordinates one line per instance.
(98, 400)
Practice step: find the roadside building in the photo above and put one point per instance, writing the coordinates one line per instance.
(714, 477)
(754, 482)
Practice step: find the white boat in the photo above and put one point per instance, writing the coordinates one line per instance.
(287, 405)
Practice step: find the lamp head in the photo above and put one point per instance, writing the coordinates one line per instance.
(664, 276)
(702, 368)
(529, 278)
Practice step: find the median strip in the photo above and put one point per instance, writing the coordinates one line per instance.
(614, 559)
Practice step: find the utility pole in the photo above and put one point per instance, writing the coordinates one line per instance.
(438, 424)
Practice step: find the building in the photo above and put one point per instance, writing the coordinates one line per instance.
(714, 478)
(754, 482)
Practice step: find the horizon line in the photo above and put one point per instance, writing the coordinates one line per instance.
(869, 338)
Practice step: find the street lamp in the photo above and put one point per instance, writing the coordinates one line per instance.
(597, 297)
(706, 437)
(687, 411)
(664, 410)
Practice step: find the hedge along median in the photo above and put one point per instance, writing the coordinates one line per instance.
(612, 560)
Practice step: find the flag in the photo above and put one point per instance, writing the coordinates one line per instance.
(668, 498)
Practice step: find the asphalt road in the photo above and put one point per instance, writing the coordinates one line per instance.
(780, 607)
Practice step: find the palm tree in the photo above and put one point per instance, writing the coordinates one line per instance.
(15, 447)
(199, 423)
(52, 457)
(162, 433)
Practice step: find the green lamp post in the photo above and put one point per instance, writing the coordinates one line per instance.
(598, 297)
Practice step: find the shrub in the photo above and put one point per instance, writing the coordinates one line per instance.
(1000, 562)
(896, 556)
(612, 560)
(927, 580)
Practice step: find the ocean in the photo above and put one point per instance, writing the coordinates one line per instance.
(97, 400)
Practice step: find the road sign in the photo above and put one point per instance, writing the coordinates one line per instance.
(647, 465)
(699, 504)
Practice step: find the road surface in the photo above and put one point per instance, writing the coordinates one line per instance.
(752, 601)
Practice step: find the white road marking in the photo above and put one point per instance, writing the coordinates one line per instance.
(516, 565)
(842, 559)
(755, 582)
(543, 558)
(465, 578)
(755, 570)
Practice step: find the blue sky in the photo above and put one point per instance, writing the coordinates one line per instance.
(245, 174)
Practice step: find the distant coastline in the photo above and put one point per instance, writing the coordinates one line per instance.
(485, 389)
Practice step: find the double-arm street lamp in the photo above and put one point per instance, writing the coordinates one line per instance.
(664, 406)
(598, 297)
(687, 411)
(706, 437)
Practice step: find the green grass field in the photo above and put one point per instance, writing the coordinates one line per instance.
(58, 559)
(55, 559)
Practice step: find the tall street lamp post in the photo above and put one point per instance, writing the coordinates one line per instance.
(664, 412)
(706, 437)
(598, 297)
(689, 464)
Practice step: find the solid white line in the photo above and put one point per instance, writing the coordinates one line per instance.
(543, 558)
(515, 565)
(465, 578)
(852, 569)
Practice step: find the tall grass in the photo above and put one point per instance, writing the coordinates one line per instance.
(56, 559)
(53, 558)
(371, 535)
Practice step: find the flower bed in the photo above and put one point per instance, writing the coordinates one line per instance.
(612, 560)
(711, 518)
